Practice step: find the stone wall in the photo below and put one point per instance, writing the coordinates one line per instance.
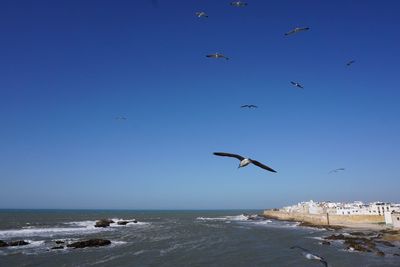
(324, 219)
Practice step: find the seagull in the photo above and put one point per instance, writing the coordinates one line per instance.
(297, 85)
(337, 170)
(217, 55)
(121, 118)
(238, 4)
(244, 161)
(249, 106)
(350, 62)
(201, 14)
(306, 253)
(296, 30)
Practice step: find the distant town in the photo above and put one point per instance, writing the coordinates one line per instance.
(388, 212)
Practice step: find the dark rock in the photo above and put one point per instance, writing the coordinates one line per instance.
(123, 222)
(18, 243)
(358, 247)
(3, 244)
(58, 247)
(335, 237)
(134, 221)
(59, 242)
(103, 223)
(396, 254)
(386, 243)
(358, 233)
(325, 243)
(90, 243)
(380, 253)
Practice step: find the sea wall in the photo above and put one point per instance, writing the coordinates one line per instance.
(323, 219)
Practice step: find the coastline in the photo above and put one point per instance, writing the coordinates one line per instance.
(372, 225)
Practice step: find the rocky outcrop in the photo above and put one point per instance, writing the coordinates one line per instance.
(18, 243)
(361, 242)
(103, 223)
(3, 244)
(380, 253)
(90, 243)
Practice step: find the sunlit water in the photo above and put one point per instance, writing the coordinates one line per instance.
(171, 238)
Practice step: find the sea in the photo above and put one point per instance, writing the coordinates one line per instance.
(171, 238)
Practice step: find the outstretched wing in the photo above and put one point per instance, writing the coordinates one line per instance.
(265, 167)
(304, 29)
(223, 154)
(290, 32)
(245, 106)
(324, 263)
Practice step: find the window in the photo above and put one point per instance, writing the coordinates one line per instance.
(398, 218)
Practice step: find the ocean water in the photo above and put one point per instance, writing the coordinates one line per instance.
(171, 238)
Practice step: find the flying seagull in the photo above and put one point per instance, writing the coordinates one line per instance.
(310, 256)
(337, 170)
(201, 14)
(297, 85)
(350, 62)
(297, 30)
(238, 4)
(217, 55)
(249, 106)
(244, 161)
(121, 118)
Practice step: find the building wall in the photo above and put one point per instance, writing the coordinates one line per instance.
(396, 220)
(388, 217)
(323, 218)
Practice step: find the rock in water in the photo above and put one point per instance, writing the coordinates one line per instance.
(123, 222)
(3, 244)
(59, 242)
(90, 243)
(325, 243)
(58, 247)
(103, 223)
(18, 243)
(380, 253)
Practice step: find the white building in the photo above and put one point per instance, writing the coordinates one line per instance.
(396, 219)
(338, 208)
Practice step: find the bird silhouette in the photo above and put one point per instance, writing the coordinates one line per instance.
(249, 106)
(238, 4)
(201, 14)
(297, 85)
(297, 30)
(217, 55)
(244, 161)
(310, 256)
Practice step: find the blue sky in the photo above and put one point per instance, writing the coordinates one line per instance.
(68, 68)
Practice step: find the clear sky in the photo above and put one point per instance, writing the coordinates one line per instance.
(68, 68)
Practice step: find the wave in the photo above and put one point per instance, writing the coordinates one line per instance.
(76, 227)
(48, 232)
(240, 217)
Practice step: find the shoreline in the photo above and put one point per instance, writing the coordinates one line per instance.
(385, 232)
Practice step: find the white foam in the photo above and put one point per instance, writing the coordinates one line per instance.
(32, 244)
(263, 222)
(240, 217)
(42, 232)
